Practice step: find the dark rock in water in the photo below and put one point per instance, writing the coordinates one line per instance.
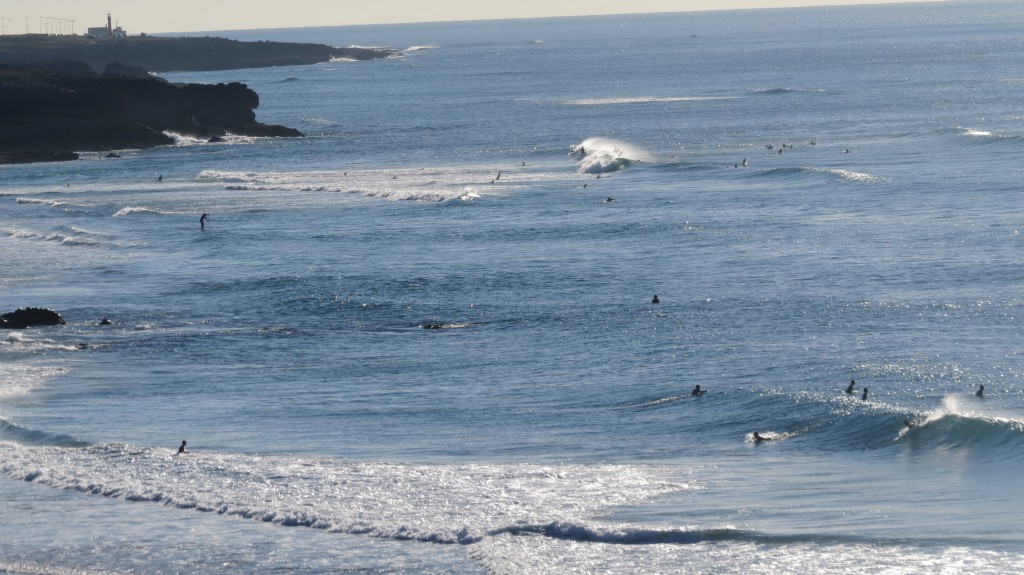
(24, 318)
(113, 155)
(106, 321)
(215, 140)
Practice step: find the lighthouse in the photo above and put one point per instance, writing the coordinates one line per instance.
(110, 29)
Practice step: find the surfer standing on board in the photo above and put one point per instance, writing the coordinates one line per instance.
(202, 221)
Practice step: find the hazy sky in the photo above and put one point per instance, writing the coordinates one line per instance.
(17, 16)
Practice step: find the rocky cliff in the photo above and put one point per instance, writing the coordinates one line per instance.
(48, 114)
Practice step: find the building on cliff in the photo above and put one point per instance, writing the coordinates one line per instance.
(107, 31)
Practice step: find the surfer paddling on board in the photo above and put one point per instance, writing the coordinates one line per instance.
(758, 438)
(697, 391)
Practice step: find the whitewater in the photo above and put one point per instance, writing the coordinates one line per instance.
(422, 338)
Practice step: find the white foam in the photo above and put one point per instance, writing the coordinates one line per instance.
(974, 133)
(431, 503)
(605, 155)
(51, 203)
(21, 378)
(427, 184)
(133, 210)
(851, 175)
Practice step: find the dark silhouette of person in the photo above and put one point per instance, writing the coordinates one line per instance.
(849, 388)
(909, 423)
(182, 448)
(698, 391)
(160, 178)
(864, 396)
(105, 321)
(759, 438)
(980, 392)
(656, 300)
(202, 221)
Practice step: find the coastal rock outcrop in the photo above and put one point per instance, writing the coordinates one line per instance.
(169, 54)
(53, 113)
(24, 318)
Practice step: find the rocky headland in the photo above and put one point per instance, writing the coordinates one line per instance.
(67, 94)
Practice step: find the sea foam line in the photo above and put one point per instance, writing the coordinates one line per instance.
(449, 504)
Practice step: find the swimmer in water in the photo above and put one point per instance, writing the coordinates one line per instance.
(849, 388)
(182, 448)
(698, 391)
(864, 397)
(656, 300)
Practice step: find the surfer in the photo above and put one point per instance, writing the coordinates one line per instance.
(980, 392)
(909, 423)
(698, 391)
(744, 162)
(160, 178)
(849, 388)
(182, 448)
(656, 300)
(864, 396)
(758, 438)
(202, 221)
(499, 175)
(609, 200)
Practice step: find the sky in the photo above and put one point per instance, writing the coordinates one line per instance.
(135, 16)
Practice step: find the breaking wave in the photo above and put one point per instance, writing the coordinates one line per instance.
(605, 155)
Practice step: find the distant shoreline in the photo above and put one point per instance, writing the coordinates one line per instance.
(172, 54)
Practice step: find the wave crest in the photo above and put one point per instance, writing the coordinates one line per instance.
(605, 155)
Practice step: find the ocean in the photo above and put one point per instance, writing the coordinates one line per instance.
(421, 339)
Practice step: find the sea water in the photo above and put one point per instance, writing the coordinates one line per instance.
(421, 339)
